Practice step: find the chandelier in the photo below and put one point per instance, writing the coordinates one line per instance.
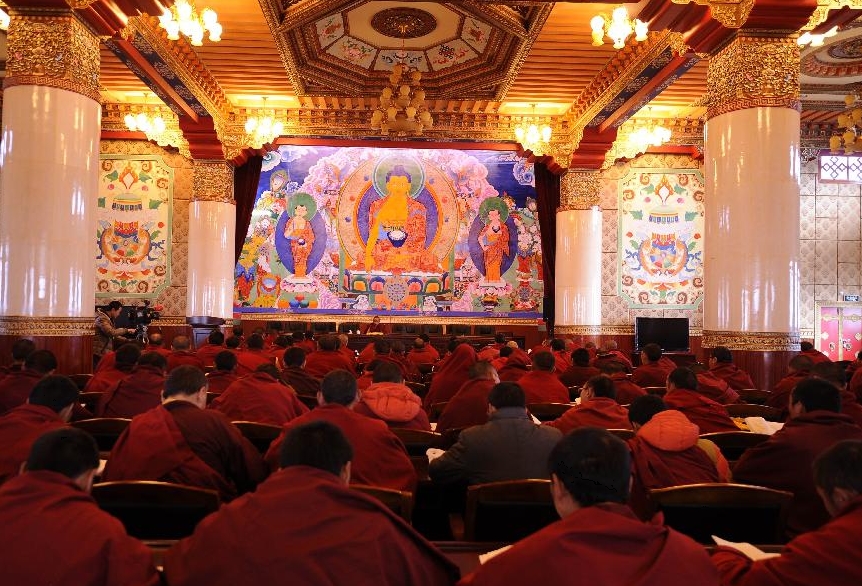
(183, 18)
(264, 129)
(850, 121)
(533, 137)
(4, 20)
(646, 137)
(618, 28)
(809, 38)
(151, 124)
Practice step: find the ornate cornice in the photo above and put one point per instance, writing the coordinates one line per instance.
(23, 326)
(821, 13)
(53, 50)
(755, 70)
(730, 13)
(577, 330)
(422, 319)
(579, 190)
(759, 341)
(213, 181)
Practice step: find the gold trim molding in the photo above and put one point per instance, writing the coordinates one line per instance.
(401, 319)
(821, 13)
(730, 13)
(213, 181)
(579, 190)
(577, 330)
(734, 84)
(24, 326)
(758, 341)
(53, 51)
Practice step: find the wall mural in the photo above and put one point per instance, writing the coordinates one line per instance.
(133, 232)
(661, 238)
(355, 230)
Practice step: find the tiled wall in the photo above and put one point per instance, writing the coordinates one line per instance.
(173, 298)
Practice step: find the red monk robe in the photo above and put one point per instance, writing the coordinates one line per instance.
(715, 388)
(54, 533)
(816, 356)
(489, 352)
(208, 352)
(322, 362)
(106, 378)
(562, 361)
(780, 396)
(379, 457)
(395, 404)
(178, 442)
(665, 452)
(626, 390)
(184, 358)
(260, 398)
(734, 376)
(426, 355)
(855, 384)
(219, 380)
(451, 375)
(468, 407)
(829, 555)
(784, 462)
(576, 376)
(140, 391)
(15, 388)
(543, 387)
(301, 382)
(705, 413)
(516, 366)
(366, 380)
(248, 360)
(597, 412)
(653, 374)
(366, 355)
(849, 406)
(19, 428)
(317, 531)
(602, 544)
(348, 354)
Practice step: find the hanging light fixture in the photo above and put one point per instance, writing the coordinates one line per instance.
(183, 18)
(148, 121)
(264, 129)
(618, 28)
(850, 121)
(533, 137)
(809, 38)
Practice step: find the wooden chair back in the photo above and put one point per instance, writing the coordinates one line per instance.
(417, 441)
(156, 510)
(734, 443)
(309, 401)
(548, 411)
(660, 391)
(436, 410)
(737, 512)
(419, 389)
(80, 380)
(752, 410)
(574, 393)
(450, 437)
(399, 502)
(508, 510)
(757, 396)
(623, 434)
(89, 401)
(261, 435)
(105, 430)
(211, 397)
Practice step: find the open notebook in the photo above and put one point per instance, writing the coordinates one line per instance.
(746, 549)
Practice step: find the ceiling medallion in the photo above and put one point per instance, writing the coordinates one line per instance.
(404, 23)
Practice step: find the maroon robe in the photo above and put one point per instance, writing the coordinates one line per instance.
(366, 355)
(615, 356)
(451, 375)
(106, 378)
(626, 390)
(379, 457)
(323, 362)
(247, 361)
(308, 345)
(260, 398)
(601, 544)
(178, 442)
(54, 533)
(140, 391)
(19, 428)
(302, 382)
(395, 404)
(734, 376)
(468, 407)
(784, 462)
(716, 389)
(158, 350)
(781, 393)
(562, 361)
(317, 531)
(705, 413)
(855, 384)
(829, 555)
(543, 387)
(108, 360)
(489, 352)
(219, 380)
(15, 388)
(576, 376)
(653, 374)
(348, 354)
(427, 355)
(208, 352)
(597, 412)
(816, 356)
(849, 406)
(515, 367)
(184, 358)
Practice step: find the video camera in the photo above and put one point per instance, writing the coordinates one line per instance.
(142, 316)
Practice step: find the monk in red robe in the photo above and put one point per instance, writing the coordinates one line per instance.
(295, 375)
(517, 365)
(366, 355)
(140, 391)
(798, 370)
(182, 354)
(541, 384)
(156, 343)
(784, 460)
(49, 407)
(816, 356)
(422, 353)
(253, 356)
(327, 358)
(705, 413)
(347, 351)
(562, 356)
(667, 451)
(208, 352)
(626, 390)
(399, 355)
(833, 372)
(16, 386)
(855, 385)
(390, 400)
(380, 457)
(260, 397)
(375, 327)
(580, 371)
(599, 540)
(712, 387)
(653, 371)
(55, 533)
(829, 555)
(125, 359)
(451, 375)
(492, 351)
(21, 349)
(224, 374)
(183, 442)
(598, 408)
(317, 529)
(721, 365)
(611, 352)
(469, 406)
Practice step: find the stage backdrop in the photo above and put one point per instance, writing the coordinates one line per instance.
(355, 230)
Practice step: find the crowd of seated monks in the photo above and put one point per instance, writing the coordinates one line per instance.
(289, 511)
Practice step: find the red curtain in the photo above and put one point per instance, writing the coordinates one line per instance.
(548, 200)
(245, 180)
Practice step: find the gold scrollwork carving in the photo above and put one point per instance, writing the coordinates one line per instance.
(578, 330)
(753, 71)
(730, 13)
(579, 190)
(22, 326)
(213, 181)
(758, 341)
(54, 51)
(80, 4)
(821, 13)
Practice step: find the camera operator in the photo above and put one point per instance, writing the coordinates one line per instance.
(105, 330)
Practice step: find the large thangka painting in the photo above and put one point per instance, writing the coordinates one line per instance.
(133, 229)
(661, 238)
(355, 230)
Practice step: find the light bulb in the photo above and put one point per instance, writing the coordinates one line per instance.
(519, 133)
(209, 17)
(597, 24)
(278, 129)
(184, 9)
(158, 124)
(641, 30)
(250, 125)
(131, 123)
(546, 133)
(215, 32)
(173, 30)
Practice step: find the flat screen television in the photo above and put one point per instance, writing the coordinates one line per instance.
(671, 333)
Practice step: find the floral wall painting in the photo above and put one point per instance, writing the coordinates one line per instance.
(356, 230)
(133, 231)
(661, 238)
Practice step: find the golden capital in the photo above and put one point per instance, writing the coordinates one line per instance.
(24, 326)
(730, 13)
(53, 50)
(756, 341)
(755, 70)
(579, 190)
(213, 181)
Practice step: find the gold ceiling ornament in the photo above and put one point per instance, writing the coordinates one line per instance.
(533, 133)
(263, 128)
(579, 190)
(821, 13)
(730, 13)
(183, 18)
(618, 28)
(213, 181)
(850, 122)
